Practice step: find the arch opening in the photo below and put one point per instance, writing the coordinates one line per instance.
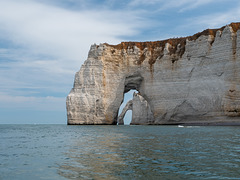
(125, 110)
(134, 108)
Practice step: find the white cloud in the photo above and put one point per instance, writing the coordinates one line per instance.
(52, 42)
(48, 103)
(60, 32)
(20, 71)
(179, 5)
(190, 4)
(214, 20)
(145, 2)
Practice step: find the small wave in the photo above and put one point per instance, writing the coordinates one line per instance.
(180, 126)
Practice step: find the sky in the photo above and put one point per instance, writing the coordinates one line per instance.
(44, 42)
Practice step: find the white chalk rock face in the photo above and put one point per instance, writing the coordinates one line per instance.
(192, 80)
(141, 111)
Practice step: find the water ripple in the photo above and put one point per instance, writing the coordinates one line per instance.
(118, 152)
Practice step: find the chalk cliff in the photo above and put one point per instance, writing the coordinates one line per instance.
(191, 80)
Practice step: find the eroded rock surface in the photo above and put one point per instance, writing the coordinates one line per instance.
(192, 80)
(141, 112)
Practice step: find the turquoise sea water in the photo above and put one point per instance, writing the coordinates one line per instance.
(119, 152)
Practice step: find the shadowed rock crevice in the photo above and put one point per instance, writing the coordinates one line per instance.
(133, 82)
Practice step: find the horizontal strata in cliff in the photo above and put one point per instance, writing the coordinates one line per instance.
(190, 80)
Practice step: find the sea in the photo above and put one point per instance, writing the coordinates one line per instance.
(119, 152)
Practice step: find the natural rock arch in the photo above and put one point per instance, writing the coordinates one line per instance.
(141, 111)
(192, 80)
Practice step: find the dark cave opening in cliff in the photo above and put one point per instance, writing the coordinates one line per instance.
(128, 116)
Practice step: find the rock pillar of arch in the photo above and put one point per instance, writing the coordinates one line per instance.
(141, 111)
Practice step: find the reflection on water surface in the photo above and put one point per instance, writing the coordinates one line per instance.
(119, 152)
(150, 152)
